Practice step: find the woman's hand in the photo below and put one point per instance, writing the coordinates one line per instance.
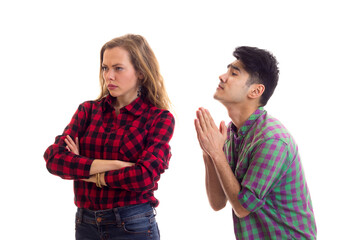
(92, 179)
(71, 145)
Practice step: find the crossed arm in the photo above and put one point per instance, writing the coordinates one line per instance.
(98, 165)
(138, 177)
(221, 183)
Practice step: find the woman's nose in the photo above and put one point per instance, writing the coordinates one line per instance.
(109, 75)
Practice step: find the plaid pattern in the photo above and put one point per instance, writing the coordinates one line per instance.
(266, 162)
(140, 134)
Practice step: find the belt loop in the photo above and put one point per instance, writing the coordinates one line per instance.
(117, 216)
(155, 212)
(80, 215)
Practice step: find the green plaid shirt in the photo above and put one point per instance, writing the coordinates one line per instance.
(265, 160)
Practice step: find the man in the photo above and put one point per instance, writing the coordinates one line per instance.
(254, 163)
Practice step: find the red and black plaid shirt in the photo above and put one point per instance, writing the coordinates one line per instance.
(139, 134)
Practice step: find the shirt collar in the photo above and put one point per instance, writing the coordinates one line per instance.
(136, 107)
(248, 124)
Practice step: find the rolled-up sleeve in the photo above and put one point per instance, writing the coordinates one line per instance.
(268, 164)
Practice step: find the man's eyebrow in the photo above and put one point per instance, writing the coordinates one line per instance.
(234, 67)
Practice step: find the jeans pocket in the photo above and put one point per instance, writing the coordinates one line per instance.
(77, 221)
(139, 225)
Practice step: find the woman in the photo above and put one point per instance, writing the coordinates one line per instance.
(121, 145)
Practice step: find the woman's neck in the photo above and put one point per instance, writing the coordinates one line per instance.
(123, 101)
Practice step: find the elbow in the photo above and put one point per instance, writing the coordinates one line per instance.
(56, 171)
(147, 188)
(48, 166)
(218, 205)
(53, 172)
(49, 156)
(241, 212)
(149, 184)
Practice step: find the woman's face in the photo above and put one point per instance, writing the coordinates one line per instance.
(119, 74)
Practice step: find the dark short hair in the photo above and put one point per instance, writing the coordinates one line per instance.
(262, 68)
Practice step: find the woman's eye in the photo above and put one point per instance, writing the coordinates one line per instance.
(118, 68)
(104, 68)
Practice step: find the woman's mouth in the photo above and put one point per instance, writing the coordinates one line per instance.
(111, 86)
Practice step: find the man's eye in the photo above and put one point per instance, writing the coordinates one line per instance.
(233, 74)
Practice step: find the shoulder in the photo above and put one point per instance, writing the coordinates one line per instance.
(89, 108)
(91, 104)
(160, 121)
(160, 114)
(269, 128)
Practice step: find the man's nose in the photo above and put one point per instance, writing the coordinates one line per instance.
(223, 78)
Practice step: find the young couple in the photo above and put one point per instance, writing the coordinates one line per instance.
(116, 147)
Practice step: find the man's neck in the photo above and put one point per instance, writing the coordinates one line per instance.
(239, 113)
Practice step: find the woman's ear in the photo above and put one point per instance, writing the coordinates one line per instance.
(141, 76)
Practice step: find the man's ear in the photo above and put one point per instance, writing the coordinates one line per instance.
(256, 90)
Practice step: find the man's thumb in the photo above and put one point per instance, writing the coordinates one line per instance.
(223, 128)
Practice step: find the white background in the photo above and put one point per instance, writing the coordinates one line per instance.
(49, 56)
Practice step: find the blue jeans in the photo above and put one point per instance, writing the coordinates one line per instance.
(136, 222)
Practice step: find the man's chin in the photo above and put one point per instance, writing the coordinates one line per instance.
(219, 98)
(216, 96)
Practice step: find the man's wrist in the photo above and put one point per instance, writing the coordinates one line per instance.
(217, 155)
(206, 156)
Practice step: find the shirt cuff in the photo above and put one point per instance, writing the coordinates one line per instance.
(82, 170)
(249, 200)
(111, 180)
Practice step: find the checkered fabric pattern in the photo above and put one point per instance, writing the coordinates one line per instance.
(139, 134)
(265, 159)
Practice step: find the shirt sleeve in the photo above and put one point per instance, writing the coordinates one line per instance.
(153, 161)
(269, 162)
(61, 162)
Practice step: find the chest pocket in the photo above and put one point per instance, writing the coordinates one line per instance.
(133, 143)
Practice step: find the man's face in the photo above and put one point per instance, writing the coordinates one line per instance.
(232, 87)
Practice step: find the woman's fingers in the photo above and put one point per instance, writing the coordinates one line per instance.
(71, 145)
(77, 142)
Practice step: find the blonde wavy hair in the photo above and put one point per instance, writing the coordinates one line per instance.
(144, 61)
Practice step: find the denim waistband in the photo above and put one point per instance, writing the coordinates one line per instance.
(115, 216)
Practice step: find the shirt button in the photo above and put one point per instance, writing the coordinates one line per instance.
(99, 219)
